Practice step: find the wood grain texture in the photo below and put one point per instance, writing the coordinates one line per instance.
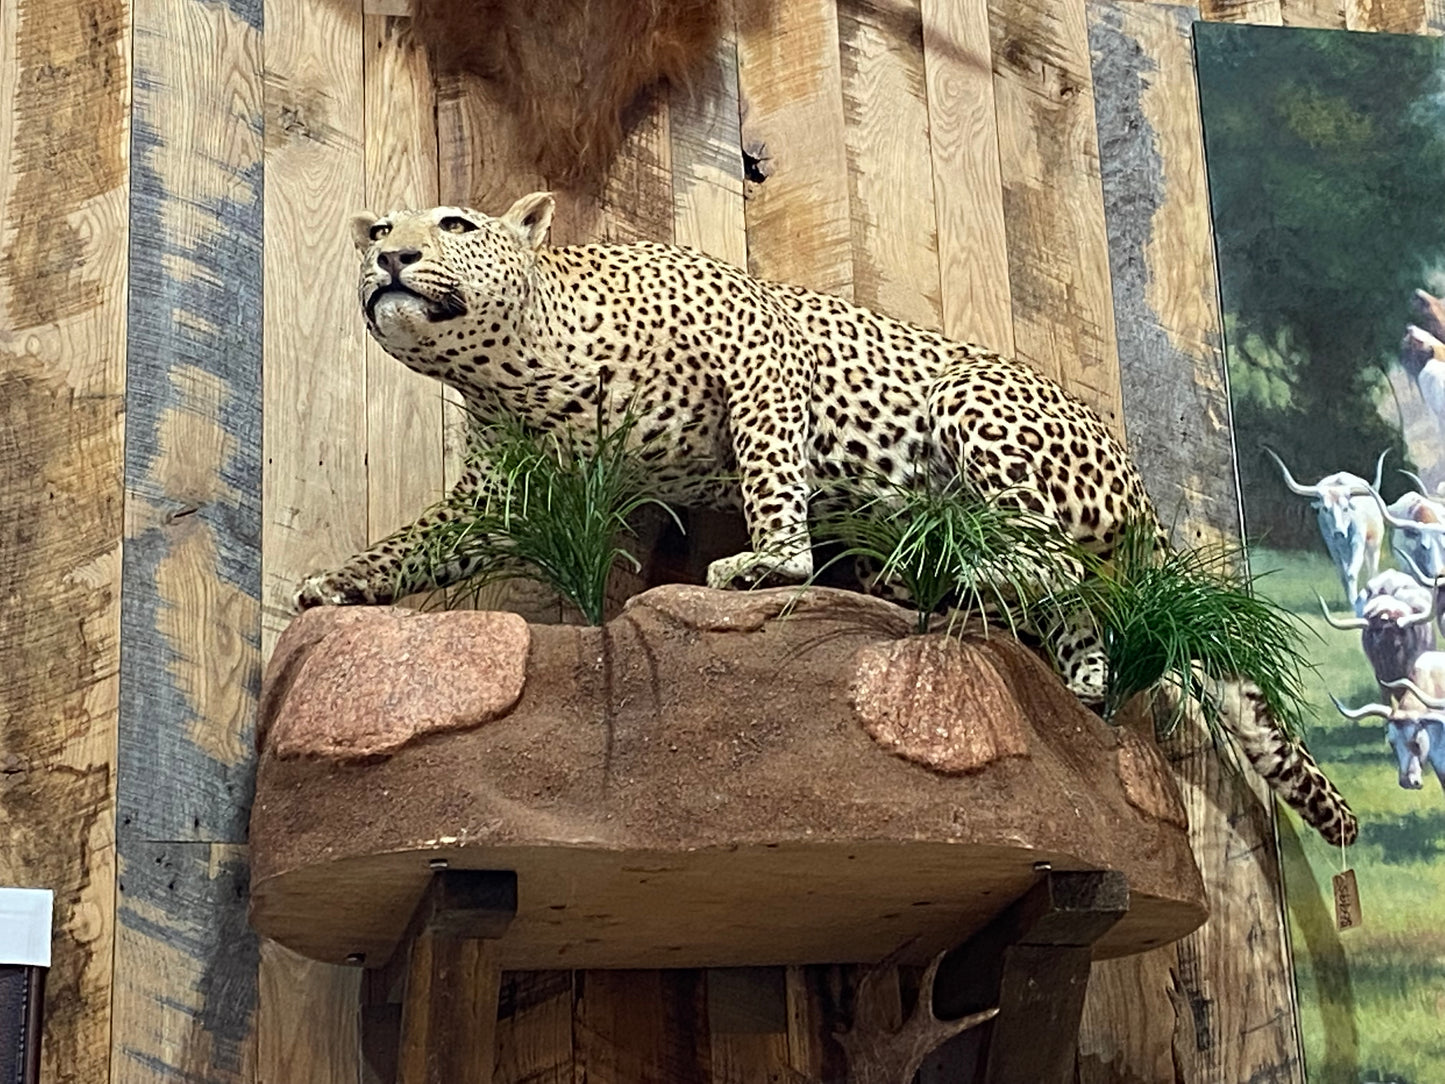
(534, 1028)
(185, 966)
(885, 110)
(315, 376)
(192, 576)
(449, 1013)
(308, 1020)
(64, 131)
(707, 160)
(1229, 983)
(314, 481)
(1131, 1023)
(748, 1025)
(1048, 147)
(1161, 259)
(790, 90)
(1260, 12)
(642, 1027)
(967, 189)
(1387, 16)
(403, 408)
(1320, 14)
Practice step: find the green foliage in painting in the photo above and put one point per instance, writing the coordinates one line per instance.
(1326, 153)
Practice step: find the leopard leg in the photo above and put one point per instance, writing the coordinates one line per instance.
(399, 564)
(769, 418)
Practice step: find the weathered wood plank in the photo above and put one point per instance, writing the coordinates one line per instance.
(1321, 14)
(1387, 16)
(191, 612)
(967, 189)
(1260, 12)
(1234, 986)
(1048, 147)
(534, 1028)
(634, 200)
(449, 1014)
(308, 1020)
(816, 1005)
(64, 130)
(707, 159)
(403, 408)
(642, 1027)
(885, 109)
(790, 89)
(185, 965)
(315, 378)
(314, 485)
(748, 1025)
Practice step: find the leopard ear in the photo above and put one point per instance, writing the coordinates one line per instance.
(531, 217)
(361, 230)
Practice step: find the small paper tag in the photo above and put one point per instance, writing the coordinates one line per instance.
(1347, 901)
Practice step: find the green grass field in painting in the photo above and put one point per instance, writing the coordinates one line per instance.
(1372, 999)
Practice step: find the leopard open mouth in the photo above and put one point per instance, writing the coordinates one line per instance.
(447, 307)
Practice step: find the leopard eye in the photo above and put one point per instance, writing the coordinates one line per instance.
(377, 232)
(457, 224)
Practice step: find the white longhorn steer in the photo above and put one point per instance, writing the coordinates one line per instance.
(1350, 522)
(1414, 726)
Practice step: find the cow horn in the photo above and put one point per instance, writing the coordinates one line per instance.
(1340, 623)
(1379, 466)
(1418, 575)
(1434, 703)
(1295, 487)
(1408, 524)
(1369, 711)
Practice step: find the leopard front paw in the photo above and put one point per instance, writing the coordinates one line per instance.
(331, 589)
(750, 569)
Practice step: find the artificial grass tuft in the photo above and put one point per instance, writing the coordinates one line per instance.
(556, 511)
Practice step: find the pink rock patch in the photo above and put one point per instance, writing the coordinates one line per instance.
(939, 702)
(359, 683)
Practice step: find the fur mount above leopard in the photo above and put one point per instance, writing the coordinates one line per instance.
(746, 395)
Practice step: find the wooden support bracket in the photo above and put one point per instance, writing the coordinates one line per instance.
(1033, 962)
(446, 973)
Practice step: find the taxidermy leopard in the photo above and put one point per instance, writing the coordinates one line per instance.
(748, 395)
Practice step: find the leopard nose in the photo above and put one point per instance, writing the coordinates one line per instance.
(393, 260)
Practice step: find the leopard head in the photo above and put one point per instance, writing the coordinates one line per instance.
(425, 271)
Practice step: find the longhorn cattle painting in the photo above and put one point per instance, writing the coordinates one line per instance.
(1325, 181)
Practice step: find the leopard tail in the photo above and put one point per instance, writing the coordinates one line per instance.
(1284, 764)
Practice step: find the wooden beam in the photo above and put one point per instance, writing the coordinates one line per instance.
(747, 1024)
(186, 961)
(642, 1027)
(453, 976)
(64, 134)
(1033, 961)
(534, 1028)
(449, 1016)
(707, 160)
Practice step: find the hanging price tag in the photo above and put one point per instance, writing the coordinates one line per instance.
(1347, 901)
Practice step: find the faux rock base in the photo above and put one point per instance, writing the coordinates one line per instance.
(706, 781)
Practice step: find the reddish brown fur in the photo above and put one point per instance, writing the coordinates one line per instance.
(569, 69)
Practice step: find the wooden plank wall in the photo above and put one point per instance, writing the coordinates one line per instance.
(1024, 173)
